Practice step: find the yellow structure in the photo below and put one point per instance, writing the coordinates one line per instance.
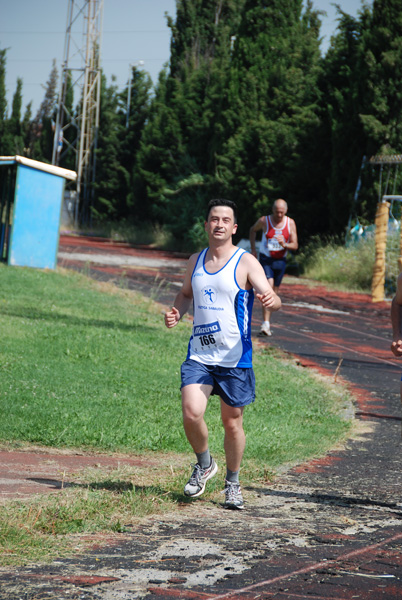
(381, 226)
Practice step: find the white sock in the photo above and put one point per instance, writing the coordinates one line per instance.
(267, 324)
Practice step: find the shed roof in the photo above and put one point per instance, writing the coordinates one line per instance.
(41, 166)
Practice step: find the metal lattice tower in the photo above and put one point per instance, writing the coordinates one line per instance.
(81, 73)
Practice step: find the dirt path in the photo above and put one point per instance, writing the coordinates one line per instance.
(331, 528)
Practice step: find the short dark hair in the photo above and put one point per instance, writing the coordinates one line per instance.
(222, 202)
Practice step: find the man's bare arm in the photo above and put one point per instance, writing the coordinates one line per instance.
(256, 277)
(258, 225)
(396, 319)
(293, 243)
(184, 297)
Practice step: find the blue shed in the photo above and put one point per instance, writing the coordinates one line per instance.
(31, 196)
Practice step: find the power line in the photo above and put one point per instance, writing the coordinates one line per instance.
(119, 31)
(35, 60)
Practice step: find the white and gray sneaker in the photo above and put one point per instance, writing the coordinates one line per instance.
(233, 495)
(265, 330)
(196, 484)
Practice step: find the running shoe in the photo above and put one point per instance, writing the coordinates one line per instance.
(265, 329)
(196, 484)
(233, 496)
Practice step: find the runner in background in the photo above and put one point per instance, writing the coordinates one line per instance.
(396, 321)
(279, 236)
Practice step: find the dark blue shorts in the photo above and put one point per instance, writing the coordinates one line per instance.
(236, 386)
(274, 268)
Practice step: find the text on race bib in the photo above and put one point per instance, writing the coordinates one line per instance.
(274, 245)
(206, 337)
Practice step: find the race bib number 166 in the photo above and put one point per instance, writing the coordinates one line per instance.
(207, 337)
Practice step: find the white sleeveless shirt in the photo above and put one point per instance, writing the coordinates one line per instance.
(222, 316)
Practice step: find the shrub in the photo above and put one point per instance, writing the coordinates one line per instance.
(333, 262)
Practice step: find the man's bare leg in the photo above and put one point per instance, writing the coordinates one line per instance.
(266, 313)
(194, 403)
(235, 442)
(235, 438)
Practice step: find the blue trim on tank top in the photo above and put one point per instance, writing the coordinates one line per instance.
(196, 263)
(234, 272)
(225, 265)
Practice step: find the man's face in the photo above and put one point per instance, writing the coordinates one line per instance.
(220, 224)
(279, 210)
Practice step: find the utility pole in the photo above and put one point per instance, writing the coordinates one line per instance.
(81, 71)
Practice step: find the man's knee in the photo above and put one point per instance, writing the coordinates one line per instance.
(194, 401)
(192, 413)
(232, 425)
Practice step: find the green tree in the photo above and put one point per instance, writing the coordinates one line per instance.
(380, 90)
(15, 132)
(121, 124)
(42, 129)
(111, 177)
(177, 155)
(346, 140)
(161, 152)
(273, 114)
(134, 104)
(363, 75)
(3, 103)
(380, 62)
(26, 127)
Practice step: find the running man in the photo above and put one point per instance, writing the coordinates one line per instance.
(396, 321)
(219, 282)
(279, 236)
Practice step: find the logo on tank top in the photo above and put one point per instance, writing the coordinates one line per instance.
(209, 295)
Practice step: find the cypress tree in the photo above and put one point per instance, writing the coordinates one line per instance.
(12, 141)
(3, 102)
(41, 145)
(26, 127)
(15, 126)
(343, 105)
(110, 175)
(364, 91)
(380, 65)
(133, 120)
(178, 151)
(273, 112)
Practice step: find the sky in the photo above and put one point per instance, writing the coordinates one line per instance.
(134, 32)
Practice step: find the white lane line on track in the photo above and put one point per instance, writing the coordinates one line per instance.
(119, 260)
(317, 307)
(366, 333)
(311, 337)
(314, 567)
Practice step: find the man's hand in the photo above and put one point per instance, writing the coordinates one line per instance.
(172, 317)
(281, 240)
(396, 348)
(269, 299)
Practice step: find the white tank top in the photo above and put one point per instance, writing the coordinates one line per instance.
(222, 316)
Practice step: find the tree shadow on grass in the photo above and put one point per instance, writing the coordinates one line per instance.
(40, 315)
(117, 487)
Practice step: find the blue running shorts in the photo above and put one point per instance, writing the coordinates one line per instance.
(274, 268)
(235, 385)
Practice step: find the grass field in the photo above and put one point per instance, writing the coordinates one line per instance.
(90, 366)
